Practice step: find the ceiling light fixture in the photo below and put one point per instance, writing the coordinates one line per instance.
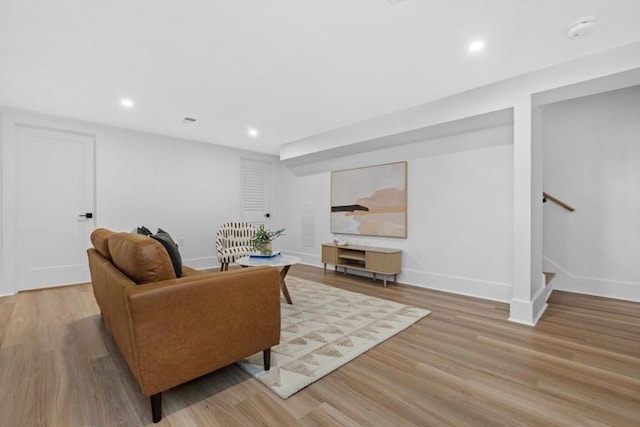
(126, 102)
(253, 132)
(476, 46)
(581, 27)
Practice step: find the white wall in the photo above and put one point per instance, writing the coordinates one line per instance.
(592, 161)
(460, 216)
(513, 94)
(187, 188)
(529, 293)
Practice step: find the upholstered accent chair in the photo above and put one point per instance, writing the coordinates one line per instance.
(233, 241)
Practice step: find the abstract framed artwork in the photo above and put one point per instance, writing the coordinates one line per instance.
(370, 201)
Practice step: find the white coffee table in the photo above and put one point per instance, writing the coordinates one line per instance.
(283, 261)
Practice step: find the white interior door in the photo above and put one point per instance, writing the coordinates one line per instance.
(255, 192)
(55, 187)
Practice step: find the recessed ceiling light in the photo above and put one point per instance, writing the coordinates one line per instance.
(476, 46)
(126, 102)
(581, 27)
(253, 132)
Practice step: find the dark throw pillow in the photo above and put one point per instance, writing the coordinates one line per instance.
(144, 231)
(172, 249)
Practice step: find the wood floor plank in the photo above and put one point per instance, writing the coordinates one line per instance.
(326, 415)
(6, 310)
(261, 409)
(463, 365)
(16, 362)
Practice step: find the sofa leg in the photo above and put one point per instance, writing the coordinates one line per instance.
(266, 355)
(156, 407)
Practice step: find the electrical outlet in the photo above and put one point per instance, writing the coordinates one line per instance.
(180, 241)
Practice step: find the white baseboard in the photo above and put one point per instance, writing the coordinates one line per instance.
(522, 312)
(306, 258)
(493, 291)
(202, 263)
(627, 291)
(529, 312)
(601, 287)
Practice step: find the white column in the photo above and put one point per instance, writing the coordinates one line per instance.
(528, 301)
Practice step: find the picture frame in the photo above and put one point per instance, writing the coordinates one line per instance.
(370, 201)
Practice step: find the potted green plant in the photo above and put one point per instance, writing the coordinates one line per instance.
(262, 239)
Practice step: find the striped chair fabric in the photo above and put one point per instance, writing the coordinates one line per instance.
(233, 241)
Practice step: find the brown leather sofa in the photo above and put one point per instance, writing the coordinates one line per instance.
(172, 330)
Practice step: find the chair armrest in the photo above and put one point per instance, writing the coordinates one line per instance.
(185, 328)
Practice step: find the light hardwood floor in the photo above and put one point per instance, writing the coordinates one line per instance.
(465, 364)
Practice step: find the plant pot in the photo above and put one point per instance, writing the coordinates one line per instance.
(266, 250)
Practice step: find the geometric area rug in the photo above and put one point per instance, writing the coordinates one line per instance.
(323, 329)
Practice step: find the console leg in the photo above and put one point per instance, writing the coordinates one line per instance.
(266, 356)
(156, 407)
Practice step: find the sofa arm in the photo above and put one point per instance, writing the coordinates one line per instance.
(184, 329)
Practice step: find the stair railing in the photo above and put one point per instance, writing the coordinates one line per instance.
(547, 196)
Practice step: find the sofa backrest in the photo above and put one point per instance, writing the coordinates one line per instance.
(100, 240)
(141, 258)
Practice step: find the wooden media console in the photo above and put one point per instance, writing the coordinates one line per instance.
(383, 261)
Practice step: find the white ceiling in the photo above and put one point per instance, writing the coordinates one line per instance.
(292, 69)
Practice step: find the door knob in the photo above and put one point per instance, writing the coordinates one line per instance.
(86, 215)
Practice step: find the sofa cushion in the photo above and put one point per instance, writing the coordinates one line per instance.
(100, 240)
(141, 258)
(172, 249)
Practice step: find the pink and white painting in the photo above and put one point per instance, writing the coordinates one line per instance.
(370, 201)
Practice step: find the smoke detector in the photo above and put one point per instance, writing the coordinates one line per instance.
(581, 27)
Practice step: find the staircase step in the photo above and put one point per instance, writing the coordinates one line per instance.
(547, 277)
